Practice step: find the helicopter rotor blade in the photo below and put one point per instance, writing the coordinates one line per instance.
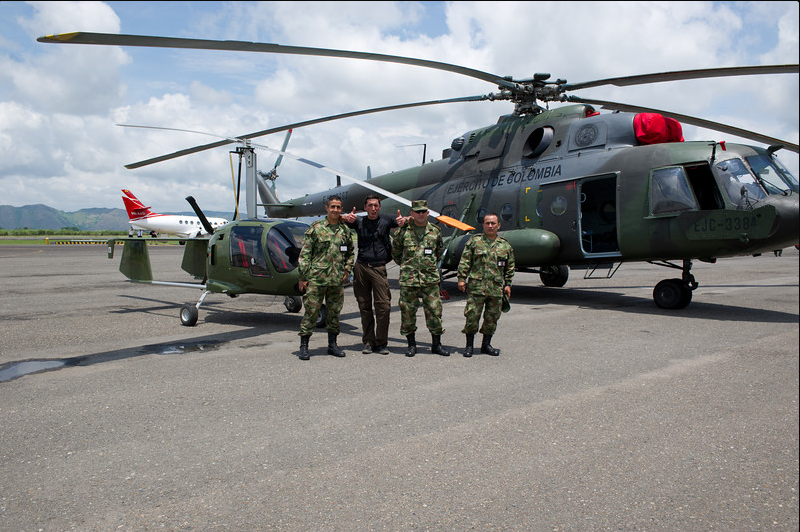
(113, 39)
(716, 126)
(523, 92)
(680, 75)
(217, 144)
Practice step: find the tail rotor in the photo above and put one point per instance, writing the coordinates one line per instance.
(268, 194)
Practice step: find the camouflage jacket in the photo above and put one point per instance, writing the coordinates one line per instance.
(488, 264)
(327, 253)
(418, 257)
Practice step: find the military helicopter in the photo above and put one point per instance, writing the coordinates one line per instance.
(575, 189)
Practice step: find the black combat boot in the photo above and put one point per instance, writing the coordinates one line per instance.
(333, 349)
(486, 346)
(412, 345)
(304, 348)
(468, 349)
(436, 346)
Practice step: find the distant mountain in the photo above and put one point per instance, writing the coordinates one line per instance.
(97, 219)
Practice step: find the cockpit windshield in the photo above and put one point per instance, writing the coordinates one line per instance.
(775, 177)
(246, 252)
(739, 184)
(283, 245)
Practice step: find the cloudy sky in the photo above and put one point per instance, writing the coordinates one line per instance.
(59, 104)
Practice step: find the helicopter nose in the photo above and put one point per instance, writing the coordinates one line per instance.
(787, 221)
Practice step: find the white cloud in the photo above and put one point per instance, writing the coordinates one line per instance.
(59, 103)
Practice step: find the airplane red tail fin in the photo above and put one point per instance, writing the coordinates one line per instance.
(136, 209)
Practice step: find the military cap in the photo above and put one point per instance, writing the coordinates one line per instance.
(506, 305)
(419, 205)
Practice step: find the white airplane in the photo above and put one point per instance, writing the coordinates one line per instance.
(145, 221)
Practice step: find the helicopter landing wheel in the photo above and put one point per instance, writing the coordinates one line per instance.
(293, 303)
(672, 294)
(554, 276)
(188, 315)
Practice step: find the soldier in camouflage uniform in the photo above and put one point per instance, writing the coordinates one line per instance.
(488, 264)
(325, 263)
(417, 248)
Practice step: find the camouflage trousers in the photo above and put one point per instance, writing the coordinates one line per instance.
(315, 294)
(491, 307)
(431, 304)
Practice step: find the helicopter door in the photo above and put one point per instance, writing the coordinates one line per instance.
(598, 215)
(560, 216)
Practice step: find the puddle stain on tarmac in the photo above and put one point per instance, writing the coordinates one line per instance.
(14, 370)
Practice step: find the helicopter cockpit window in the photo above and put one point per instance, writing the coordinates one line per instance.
(246, 250)
(283, 245)
(737, 181)
(772, 174)
(669, 191)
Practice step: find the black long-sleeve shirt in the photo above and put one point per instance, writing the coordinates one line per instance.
(374, 241)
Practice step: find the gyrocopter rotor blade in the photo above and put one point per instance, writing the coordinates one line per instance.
(447, 220)
(262, 133)
(724, 128)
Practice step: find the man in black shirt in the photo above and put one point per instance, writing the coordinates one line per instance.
(370, 283)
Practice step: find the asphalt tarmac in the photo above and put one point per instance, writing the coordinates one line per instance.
(603, 412)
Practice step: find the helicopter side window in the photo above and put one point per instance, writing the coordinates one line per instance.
(283, 245)
(669, 191)
(246, 250)
(737, 181)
